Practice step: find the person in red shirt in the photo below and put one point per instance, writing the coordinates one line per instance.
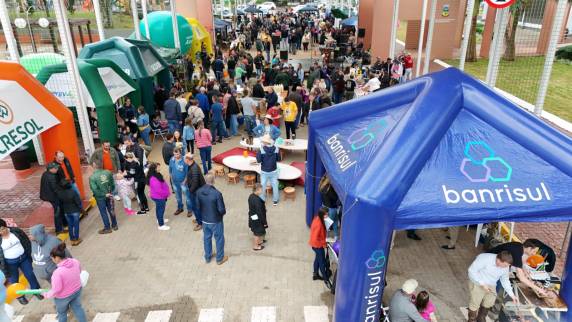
(408, 66)
(318, 244)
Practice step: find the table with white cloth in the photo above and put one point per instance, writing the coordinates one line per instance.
(254, 146)
(292, 145)
(241, 163)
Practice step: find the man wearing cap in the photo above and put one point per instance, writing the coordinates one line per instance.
(49, 186)
(267, 128)
(401, 307)
(268, 157)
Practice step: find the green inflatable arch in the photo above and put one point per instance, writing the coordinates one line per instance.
(138, 59)
(105, 83)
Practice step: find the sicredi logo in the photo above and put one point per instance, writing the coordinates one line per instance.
(375, 264)
(482, 165)
(6, 113)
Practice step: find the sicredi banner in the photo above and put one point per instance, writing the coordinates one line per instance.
(22, 117)
(61, 84)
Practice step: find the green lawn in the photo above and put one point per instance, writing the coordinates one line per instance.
(522, 77)
(402, 30)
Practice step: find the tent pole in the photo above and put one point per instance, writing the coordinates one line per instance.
(145, 20)
(12, 48)
(421, 37)
(71, 62)
(394, 22)
(175, 26)
(566, 237)
(495, 56)
(98, 19)
(466, 33)
(430, 37)
(135, 15)
(566, 287)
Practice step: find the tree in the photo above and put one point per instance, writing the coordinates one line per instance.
(516, 10)
(472, 49)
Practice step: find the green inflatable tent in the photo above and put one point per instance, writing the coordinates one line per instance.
(138, 59)
(103, 84)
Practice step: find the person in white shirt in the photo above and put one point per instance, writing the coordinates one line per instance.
(373, 84)
(484, 273)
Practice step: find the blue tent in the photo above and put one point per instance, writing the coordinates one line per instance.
(221, 24)
(351, 21)
(442, 150)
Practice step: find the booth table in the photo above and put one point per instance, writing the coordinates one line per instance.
(240, 163)
(254, 146)
(293, 145)
(532, 307)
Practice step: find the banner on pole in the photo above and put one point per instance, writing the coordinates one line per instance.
(22, 117)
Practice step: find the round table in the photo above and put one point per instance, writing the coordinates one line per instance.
(297, 145)
(255, 144)
(239, 162)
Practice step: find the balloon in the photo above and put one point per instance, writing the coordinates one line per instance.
(11, 292)
(22, 280)
(84, 277)
(336, 247)
(161, 30)
(535, 260)
(9, 310)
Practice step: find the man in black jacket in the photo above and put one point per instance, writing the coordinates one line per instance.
(135, 148)
(168, 148)
(49, 186)
(211, 204)
(18, 258)
(194, 181)
(65, 169)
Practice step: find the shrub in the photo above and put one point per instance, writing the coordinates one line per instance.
(564, 53)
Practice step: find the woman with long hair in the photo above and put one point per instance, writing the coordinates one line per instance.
(318, 244)
(330, 200)
(66, 285)
(203, 139)
(159, 192)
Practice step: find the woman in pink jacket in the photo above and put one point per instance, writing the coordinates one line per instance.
(159, 192)
(66, 285)
(203, 139)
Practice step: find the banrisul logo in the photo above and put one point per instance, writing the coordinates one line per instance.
(375, 265)
(481, 165)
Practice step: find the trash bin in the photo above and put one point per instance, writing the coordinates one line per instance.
(20, 158)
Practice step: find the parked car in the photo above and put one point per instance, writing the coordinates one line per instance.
(267, 7)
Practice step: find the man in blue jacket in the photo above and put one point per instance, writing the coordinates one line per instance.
(211, 206)
(172, 110)
(204, 104)
(178, 171)
(268, 157)
(218, 129)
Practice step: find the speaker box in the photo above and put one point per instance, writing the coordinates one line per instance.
(283, 55)
(361, 32)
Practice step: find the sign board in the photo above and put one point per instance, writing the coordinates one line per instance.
(22, 117)
(499, 4)
(116, 86)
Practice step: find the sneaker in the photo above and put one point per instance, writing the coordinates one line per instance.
(117, 198)
(190, 214)
(23, 300)
(317, 277)
(141, 212)
(198, 227)
(78, 241)
(39, 296)
(164, 227)
(104, 231)
(194, 221)
(224, 260)
(115, 228)
(178, 212)
(132, 212)
(128, 212)
(275, 203)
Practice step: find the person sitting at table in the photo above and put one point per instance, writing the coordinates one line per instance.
(267, 128)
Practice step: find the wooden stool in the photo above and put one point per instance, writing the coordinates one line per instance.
(290, 193)
(249, 180)
(219, 171)
(233, 177)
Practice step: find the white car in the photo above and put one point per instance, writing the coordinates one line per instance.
(267, 7)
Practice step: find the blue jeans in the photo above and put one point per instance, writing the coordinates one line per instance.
(249, 123)
(233, 124)
(173, 126)
(73, 225)
(333, 214)
(106, 208)
(58, 221)
(75, 188)
(180, 189)
(72, 302)
(160, 205)
(320, 262)
(337, 97)
(196, 210)
(218, 129)
(273, 178)
(145, 135)
(23, 263)
(218, 231)
(206, 158)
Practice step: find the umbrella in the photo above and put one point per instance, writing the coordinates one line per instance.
(338, 13)
(351, 21)
(253, 9)
(308, 9)
(221, 24)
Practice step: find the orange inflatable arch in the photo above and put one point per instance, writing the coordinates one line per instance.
(60, 137)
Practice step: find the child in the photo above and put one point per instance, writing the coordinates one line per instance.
(189, 134)
(125, 189)
(179, 141)
(425, 306)
(274, 111)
